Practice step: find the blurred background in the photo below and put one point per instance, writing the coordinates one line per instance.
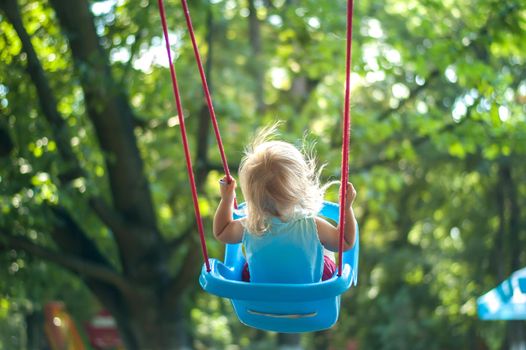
(97, 231)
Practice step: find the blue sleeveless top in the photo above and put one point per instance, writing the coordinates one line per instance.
(288, 252)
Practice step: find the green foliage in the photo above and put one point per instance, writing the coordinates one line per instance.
(439, 96)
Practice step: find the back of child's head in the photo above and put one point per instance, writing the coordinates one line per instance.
(277, 180)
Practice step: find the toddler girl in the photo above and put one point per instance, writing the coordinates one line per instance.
(283, 196)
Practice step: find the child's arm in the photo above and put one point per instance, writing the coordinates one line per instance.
(330, 235)
(226, 229)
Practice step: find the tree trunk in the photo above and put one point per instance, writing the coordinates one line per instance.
(516, 330)
(143, 297)
(289, 341)
(6, 144)
(36, 339)
(321, 339)
(516, 335)
(155, 329)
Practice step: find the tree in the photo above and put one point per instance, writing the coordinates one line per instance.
(140, 289)
(90, 178)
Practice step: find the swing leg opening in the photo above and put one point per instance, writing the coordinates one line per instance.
(291, 316)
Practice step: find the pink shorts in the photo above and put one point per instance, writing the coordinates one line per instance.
(329, 268)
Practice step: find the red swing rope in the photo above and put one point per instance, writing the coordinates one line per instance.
(345, 137)
(206, 90)
(184, 138)
(346, 133)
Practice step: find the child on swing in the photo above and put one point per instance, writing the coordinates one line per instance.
(283, 196)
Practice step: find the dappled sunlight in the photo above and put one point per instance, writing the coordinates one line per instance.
(96, 205)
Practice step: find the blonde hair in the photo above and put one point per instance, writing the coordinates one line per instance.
(277, 180)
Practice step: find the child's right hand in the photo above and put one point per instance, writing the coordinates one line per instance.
(227, 190)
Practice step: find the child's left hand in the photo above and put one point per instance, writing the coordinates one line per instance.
(350, 195)
(227, 190)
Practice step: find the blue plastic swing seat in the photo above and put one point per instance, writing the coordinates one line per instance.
(279, 307)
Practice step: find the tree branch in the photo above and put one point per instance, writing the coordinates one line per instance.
(69, 236)
(190, 267)
(68, 261)
(46, 98)
(142, 23)
(104, 282)
(107, 215)
(6, 144)
(435, 73)
(269, 4)
(174, 243)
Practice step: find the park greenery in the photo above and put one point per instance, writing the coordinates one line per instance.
(94, 197)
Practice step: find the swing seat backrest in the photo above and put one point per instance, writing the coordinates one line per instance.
(280, 307)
